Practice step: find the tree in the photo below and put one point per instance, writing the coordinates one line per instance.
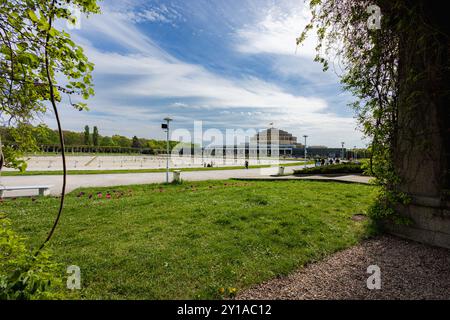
(107, 142)
(87, 136)
(73, 138)
(33, 51)
(46, 136)
(95, 136)
(398, 73)
(136, 143)
(121, 141)
(34, 56)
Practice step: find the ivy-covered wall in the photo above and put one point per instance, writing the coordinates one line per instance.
(397, 69)
(421, 152)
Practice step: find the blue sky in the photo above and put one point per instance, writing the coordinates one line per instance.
(230, 64)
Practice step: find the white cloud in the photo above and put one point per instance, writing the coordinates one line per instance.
(139, 11)
(157, 74)
(212, 91)
(180, 105)
(276, 33)
(117, 27)
(153, 15)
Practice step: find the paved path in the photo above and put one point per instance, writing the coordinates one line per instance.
(114, 179)
(105, 180)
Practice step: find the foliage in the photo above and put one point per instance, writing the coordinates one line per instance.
(24, 137)
(95, 136)
(39, 62)
(383, 209)
(23, 275)
(136, 143)
(87, 136)
(334, 168)
(186, 241)
(42, 136)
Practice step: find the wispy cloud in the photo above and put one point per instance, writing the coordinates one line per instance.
(156, 74)
(276, 33)
(138, 82)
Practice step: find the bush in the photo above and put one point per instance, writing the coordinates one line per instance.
(22, 275)
(334, 168)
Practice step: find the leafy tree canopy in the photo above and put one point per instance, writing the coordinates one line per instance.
(39, 64)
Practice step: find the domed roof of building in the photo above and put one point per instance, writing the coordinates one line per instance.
(270, 130)
(284, 137)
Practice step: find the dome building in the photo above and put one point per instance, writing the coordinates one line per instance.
(280, 137)
(267, 140)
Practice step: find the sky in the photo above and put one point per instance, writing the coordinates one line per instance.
(231, 64)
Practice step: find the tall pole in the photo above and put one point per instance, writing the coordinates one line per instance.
(167, 148)
(342, 143)
(305, 136)
(167, 153)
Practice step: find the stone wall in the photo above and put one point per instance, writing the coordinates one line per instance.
(422, 145)
(430, 221)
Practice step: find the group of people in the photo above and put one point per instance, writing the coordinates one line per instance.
(211, 164)
(329, 161)
(208, 165)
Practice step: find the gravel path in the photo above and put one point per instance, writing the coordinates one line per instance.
(409, 270)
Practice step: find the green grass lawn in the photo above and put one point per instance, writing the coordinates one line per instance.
(187, 241)
(72, 172)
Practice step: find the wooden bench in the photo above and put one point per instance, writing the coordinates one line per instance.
(43, 190)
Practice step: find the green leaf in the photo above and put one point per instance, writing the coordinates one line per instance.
(53, 32)
(32, 16)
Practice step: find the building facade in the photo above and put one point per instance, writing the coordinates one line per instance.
(274, 142)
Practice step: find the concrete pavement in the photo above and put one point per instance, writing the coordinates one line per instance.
(110, 180)
(106, 180)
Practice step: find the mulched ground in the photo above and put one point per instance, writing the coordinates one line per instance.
(409, 270)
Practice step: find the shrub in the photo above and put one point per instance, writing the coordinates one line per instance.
(22, 275)
(334, 168)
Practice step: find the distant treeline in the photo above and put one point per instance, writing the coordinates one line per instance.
(48, 141)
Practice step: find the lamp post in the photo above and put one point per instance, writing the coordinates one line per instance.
(305, 136)
(165, 126)
(342, 143)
